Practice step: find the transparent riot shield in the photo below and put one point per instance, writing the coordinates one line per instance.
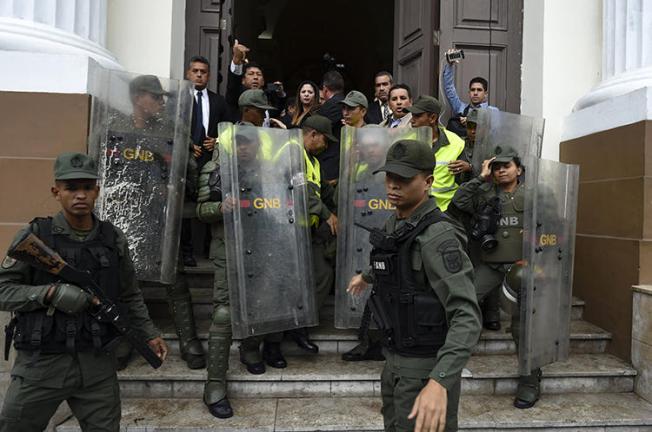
(267, 231)
(548, 251)
(498, 128)
(361, 200)
(139, 136)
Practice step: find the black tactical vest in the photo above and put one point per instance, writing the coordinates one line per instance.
(58, 332)
(412, 318)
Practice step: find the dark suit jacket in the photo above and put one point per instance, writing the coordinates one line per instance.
(373, 116)
(234, 89)
(217, 113)
(330, 158)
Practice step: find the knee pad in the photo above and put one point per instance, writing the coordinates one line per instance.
(222, 316)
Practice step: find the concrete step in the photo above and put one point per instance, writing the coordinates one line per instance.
(202, 299)
(327, 375)
(617, 412)
(585, 338)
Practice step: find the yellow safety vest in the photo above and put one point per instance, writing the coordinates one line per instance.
(227, 142)
(313, 175)
(444, 186)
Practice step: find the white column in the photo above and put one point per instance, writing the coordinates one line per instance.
(75, 27)
(627, 51)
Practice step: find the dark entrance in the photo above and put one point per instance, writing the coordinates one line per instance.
(295, 40)
(291, 39)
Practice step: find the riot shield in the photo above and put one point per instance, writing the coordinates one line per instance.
(362, 200)
(523, 133)
(548, 251)
(267, 231)
(139, 136)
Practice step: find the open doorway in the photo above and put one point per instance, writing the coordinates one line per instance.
(294, 40)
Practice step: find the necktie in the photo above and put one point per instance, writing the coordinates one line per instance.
(385, 112)
(198, 132)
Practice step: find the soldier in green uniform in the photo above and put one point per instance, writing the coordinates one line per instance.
(64, 353)
(495, 200)
(317, 134)
(423, 298)
(211, 205)
(467, 172)
(490, 304)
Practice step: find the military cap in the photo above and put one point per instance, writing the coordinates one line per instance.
(472, 116)
(408, 158)
(74, 166)
(423, 104)
(148, 84)
(321, 124)
(504, 154)
(354, 98)
(255, 98)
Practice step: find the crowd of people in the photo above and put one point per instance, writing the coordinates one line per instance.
(440, 201)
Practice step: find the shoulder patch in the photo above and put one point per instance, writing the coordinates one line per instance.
(451, 255)
(8, 262)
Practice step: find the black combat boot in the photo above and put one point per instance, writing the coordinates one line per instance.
(302, 339)
(365, 350)
(273, 356)
(215, 388)
(529, 390)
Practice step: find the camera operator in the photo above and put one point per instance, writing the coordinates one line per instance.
(246, 75)
(495, 201)
(478, 94)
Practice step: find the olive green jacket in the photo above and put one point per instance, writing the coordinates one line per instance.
(455, 291)
(17, 294)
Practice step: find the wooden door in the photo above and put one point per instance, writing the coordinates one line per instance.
(414, 29)
(490, 33)
(208, 23)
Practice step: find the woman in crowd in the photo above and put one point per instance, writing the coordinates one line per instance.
(307, 102)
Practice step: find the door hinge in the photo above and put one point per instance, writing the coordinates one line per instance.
(223, 24)
(436, 34)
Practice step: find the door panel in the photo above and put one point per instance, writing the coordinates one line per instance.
(207, 25)
(413, 44)
(490, 33)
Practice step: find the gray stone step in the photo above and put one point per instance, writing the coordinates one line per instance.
(202, 303)
(328, 376)
(585, 338)
(617, 412)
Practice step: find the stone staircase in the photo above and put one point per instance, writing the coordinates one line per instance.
(592, 391)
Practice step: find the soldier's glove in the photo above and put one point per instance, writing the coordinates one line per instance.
(70, 298)
(209, 212)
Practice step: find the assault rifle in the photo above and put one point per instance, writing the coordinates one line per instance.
(31, 250)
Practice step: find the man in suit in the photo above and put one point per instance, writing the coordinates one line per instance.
(332, 88)
(247, 75)
(379, 109)
(209, 106)
(209, 109)
(400, 98)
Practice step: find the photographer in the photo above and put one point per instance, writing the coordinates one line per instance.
(495, 201)
(478, 94)
(246, 75)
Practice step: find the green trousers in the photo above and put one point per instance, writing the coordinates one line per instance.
(323, 272)
(401, 381)
(219, 333)
(28, 407)
(488, 282)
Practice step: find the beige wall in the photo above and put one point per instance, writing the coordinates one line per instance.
(613, 250)
(147, 36)
(36, 127)
(562, 60)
